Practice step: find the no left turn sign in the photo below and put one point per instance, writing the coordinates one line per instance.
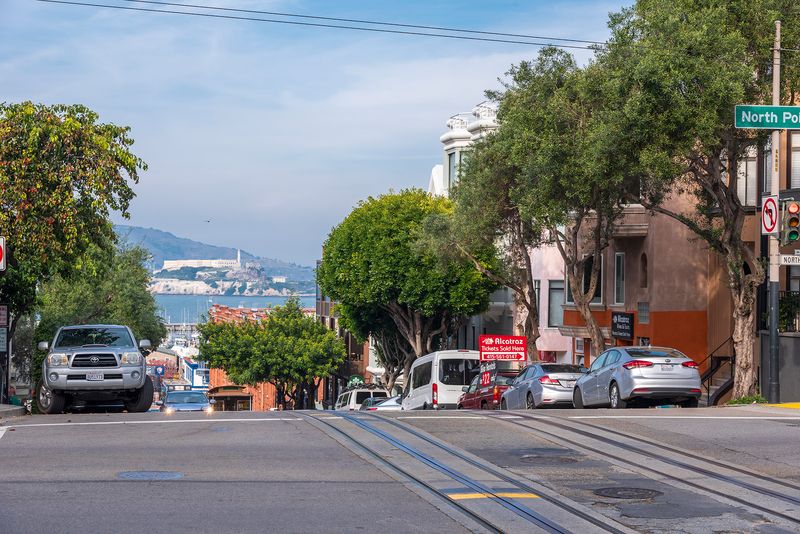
(769, 216)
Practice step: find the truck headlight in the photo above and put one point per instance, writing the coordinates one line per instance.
(131, 358)
(57, 359)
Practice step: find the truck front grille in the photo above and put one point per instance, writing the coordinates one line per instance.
(88, 360)
(105, 377)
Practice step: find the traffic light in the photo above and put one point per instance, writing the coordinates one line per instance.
(790, 227)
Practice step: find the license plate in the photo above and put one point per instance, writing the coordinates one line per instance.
(666, 368)
(94, 376)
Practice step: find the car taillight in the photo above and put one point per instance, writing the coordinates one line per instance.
(371, 409)
(690, 364)
(547, 380)
(496, 394)
(635, 364)
(435, 394)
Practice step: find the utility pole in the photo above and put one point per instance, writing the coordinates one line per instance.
(774, 392)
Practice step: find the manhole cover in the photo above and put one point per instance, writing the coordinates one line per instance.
(627, 493)
(540, 459)
(150, 475)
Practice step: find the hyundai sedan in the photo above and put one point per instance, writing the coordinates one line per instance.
(543, 384)
(622, 375)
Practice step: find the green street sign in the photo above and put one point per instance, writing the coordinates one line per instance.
(767, 117)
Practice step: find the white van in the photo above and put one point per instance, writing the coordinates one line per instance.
(351, 399)
(436, 379)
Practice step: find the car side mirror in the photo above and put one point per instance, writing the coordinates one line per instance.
(43, 346)
(212, 401)
(584, 370)
(144, 344)
(465, 388)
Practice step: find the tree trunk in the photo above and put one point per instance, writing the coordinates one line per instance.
(744, 337)
(595, 333)
(530, 329)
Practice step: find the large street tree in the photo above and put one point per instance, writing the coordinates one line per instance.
(373, 259)
(679, 67)
(287, 349)
(545, 176)
(105, 287)
(62, 172)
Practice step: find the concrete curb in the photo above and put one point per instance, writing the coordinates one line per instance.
(7, 411)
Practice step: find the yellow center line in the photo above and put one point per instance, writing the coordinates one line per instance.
(506, 494)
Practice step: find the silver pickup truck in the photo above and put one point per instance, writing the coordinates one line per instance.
(94, 363)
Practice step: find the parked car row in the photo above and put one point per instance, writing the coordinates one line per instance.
(619, 377)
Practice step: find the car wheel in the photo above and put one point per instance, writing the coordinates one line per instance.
(614, 397)
(690, 403)
(503, 405)
(577, 399)
(142, 399)
(529, 403)
(484, 406)
(49, 401)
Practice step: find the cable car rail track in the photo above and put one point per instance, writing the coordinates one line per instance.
(499, 474)
(691, 482)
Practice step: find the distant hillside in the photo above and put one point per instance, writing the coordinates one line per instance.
(166, 246)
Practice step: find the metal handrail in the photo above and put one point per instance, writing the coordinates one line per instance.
(711, 354)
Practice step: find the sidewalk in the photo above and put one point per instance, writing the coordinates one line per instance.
(7, 411)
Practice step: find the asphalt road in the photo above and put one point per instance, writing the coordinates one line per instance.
(703, 470)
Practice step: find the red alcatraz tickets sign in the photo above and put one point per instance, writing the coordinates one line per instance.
(502, 348)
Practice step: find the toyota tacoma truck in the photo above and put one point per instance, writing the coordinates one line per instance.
(94, 363)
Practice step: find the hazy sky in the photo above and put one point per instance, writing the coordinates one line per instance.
(272, 132)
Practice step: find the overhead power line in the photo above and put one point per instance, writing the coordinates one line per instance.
(362, 21)
(314, 24)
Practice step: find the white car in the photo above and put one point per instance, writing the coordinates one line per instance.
(351, 399)
(436, 380)
(392, 404)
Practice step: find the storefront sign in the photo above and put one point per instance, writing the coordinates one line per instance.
(3, 315)
(622, 325)
(487, 369)
(502, 348)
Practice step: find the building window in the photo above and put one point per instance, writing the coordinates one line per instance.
(644, 341)
(555, 310)
(587, 276)
(794, 182)
(643, 271)
(452, 168)
(747, 179)
(644, 312)
(619, 278)
(579, 345)
(537, 289)
(794, 278)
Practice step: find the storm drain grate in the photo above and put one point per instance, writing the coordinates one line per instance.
(150, 475)
(627, 493)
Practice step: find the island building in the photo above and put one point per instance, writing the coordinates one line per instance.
(174, 265)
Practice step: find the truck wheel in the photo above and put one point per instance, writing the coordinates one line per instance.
(142, 399)
(48, 400)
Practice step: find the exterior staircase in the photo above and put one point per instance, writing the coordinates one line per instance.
(717, 380)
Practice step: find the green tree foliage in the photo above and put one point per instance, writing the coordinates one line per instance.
(107, 287)
(61, 174)
(678, 68)
(372, 260)
(545, 176)
(288, 349)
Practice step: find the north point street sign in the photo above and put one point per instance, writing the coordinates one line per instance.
(767, 117)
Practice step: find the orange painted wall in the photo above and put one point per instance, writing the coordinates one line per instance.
(686, 331)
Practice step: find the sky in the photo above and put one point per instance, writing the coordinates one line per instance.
(272, 132)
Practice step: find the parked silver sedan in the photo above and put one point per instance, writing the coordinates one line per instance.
(622, 375)
(541, 384)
